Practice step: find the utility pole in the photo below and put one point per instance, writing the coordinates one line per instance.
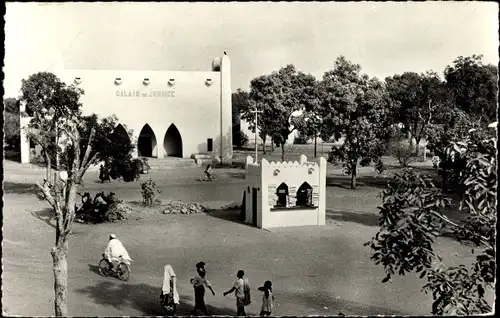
(256, 120)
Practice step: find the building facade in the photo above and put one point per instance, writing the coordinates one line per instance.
(171, 113)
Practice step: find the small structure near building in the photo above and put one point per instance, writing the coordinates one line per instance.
(282, 194)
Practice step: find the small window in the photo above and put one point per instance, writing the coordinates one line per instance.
(210, 144)
(282, 194)
(304, 195)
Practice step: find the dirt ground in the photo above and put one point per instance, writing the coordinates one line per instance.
(315, 270)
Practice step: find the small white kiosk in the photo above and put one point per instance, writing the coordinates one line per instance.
(282, 194)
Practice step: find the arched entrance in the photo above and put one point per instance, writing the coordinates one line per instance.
(120, 133)
(146, 144)
(172, 143)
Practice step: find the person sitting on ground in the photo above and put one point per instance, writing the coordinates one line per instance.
(208, 172)
(114, 250)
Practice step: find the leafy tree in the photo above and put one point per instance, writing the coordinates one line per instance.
(420, 97)
(279, 95)
(357, 108)
(58, 127)
(259, 99)
(473, 87)
(241, 104)
(11, 124)
(412, 218)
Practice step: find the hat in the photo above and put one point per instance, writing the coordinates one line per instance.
(112, 236)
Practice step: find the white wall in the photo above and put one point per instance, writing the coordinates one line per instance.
(294, 174)
(198, 111)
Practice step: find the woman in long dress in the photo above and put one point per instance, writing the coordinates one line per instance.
(169, 298)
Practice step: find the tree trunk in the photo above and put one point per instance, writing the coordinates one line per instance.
(315, 145)
(272, 144)
(264, 143)
(60, 268)
(282, 151)
(353, 176)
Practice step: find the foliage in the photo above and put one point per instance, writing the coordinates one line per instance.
(300, 139)
(241, 104)
(101, 208)
(150, 193)
(12, 131)
(279, 96)
(403, 150)
(412, 218)
(357, 108)
(473, 87)
(420, 99)
(240, 139)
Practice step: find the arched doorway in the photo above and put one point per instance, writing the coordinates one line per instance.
(120, 133)
(146, 144)
(172, 143)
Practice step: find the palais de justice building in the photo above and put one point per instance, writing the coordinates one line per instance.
(171, 113)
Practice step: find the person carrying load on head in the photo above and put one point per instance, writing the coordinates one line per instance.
(169, 298)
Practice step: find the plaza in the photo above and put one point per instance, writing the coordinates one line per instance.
(315, 270)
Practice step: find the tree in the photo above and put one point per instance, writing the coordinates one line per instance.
(357, 108)
(279, 96)
(11, 124)
(420, 97)
(241, 104)
(412, 218)
(58, 127)
(473, 87)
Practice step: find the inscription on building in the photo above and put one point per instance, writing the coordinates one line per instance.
(150, 94)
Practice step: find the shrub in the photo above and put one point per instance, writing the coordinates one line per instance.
(240, 139)
(150, 193)
(300, 139)
(403, 151)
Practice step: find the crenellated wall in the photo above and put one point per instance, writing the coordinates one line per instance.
(266, 177)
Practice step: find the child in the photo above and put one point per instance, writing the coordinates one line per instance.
(267, 299)
(208, 172)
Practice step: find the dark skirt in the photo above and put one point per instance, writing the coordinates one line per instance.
(199, 299)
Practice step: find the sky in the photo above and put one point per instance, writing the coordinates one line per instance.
(384, 38)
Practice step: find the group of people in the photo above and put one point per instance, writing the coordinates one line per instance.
(169, 297)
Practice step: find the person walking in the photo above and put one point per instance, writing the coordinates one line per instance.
(199, 282)
(267, 299)
(169, 298)
(242, 292)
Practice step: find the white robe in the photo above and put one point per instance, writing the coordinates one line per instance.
(115, 249)
(168, 275)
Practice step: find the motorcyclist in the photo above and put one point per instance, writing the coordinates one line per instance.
(114, 251)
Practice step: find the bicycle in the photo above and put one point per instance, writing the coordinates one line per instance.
(207, 179)
(122, 271)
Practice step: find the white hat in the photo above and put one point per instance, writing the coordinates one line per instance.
(112, 236)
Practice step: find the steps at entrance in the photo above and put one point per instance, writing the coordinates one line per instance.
(171, 163)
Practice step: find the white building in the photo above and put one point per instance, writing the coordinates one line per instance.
(171, 113)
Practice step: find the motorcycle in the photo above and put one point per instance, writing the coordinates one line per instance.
(121, 271)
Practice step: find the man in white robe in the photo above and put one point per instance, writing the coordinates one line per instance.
(114, 250)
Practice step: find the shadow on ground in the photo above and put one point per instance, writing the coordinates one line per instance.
(46, 215)
(20, 188)
(363, 181)
(231, 215)
(343, 306)
(367, 219)
(237, 175)
(142, 297)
